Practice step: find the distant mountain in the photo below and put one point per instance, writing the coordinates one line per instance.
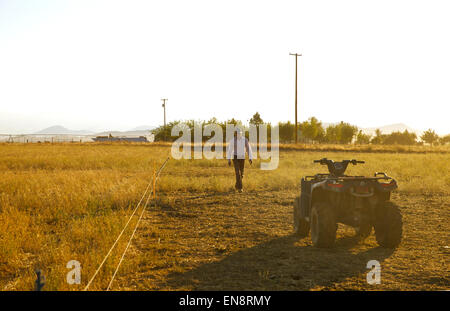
(388, 129)
(61, 130)
(143, 128)
(125, 133)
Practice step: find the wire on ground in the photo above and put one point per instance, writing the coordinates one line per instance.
(153, 181)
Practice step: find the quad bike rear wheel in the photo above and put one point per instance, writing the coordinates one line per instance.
(323, 225)
(388, 225)
(301, 226)
(363, 231)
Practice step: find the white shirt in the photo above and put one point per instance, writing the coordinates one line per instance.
(236, 148)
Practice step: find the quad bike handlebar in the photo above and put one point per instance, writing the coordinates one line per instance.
(337, 169)
(325, 161)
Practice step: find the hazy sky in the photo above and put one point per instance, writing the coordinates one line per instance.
(106, 64)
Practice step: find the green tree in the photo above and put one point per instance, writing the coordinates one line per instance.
(234, 121)
(430, 137)
(362, 138)
(163, 133)
(379, 137)
(312, 130)
(213, 120)
(332, 134)
(347, 131)
(444, 139)
(286, 131)
(341, 133)
(399, 138)
(256, 119)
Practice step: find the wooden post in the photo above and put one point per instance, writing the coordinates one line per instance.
(154, 183)
(40, 281)
(296, 57)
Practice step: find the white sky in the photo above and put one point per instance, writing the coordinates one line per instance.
(106, 64)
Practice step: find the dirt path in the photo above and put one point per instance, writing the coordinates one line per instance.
(230, 241)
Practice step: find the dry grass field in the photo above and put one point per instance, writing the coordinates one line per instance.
(62, 202)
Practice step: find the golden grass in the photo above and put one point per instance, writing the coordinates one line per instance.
(60, 202)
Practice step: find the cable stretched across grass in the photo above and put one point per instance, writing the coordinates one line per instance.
(126, 225)
(137, 224)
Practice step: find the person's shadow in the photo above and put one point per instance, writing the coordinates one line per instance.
(281, 265)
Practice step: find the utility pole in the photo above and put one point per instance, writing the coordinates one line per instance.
(296, 57)
(164, 106)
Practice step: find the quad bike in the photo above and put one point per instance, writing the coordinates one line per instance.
(357, 201)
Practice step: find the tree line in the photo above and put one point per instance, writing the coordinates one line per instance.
(312, 131)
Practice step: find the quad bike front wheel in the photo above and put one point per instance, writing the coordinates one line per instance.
(388, 225)
(323, 225)
(301, 226)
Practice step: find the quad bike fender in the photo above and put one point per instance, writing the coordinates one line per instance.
(387, 187)
(318, 191)
(305, 198)
(311, 192)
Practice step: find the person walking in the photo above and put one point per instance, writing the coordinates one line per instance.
(236, 150)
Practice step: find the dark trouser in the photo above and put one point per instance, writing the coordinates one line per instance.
(239, 171)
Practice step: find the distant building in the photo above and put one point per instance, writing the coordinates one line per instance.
(141, 139)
